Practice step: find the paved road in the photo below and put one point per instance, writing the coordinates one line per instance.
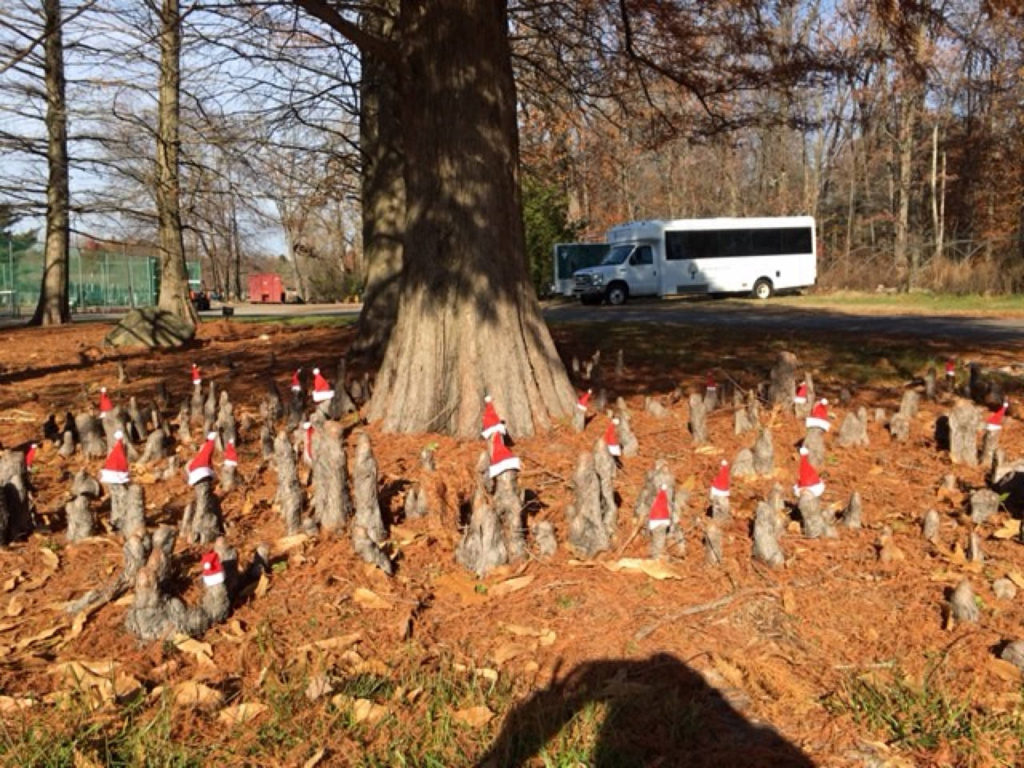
(737, 314)
(729, 313)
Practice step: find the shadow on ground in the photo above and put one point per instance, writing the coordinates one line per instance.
(647, 712)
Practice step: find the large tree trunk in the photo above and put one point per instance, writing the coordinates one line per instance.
(468, 323)
(53, 307)
(174, 293)
(383, 191)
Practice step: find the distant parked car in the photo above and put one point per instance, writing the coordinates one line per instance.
(200, 300)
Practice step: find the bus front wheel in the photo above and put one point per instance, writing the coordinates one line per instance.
(617, 294)
(763, 289)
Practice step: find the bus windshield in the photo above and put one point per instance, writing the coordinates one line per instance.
(617, 255)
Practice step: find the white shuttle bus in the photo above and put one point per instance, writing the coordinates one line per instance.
(759, 256)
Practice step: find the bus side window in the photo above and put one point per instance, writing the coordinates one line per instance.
(642, 256)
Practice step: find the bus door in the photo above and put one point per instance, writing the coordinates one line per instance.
(643, 272)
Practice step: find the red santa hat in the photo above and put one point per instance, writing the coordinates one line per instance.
(30, 455)
(801, 394)
(491, 423)
(197, 377)
(611, 438)
(951, 368)
(199, 468)
(296, 384)
(808, 479)
(307, 443)
(659, 516)
(584, 400)
(819, 416)
(502, 459)
(720, 485)
(230, 454)
(115, 468)
(709, 383)
(106, 406)
(213, 571)
(995, 421)
(321, 389)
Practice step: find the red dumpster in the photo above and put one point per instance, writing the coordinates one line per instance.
(266, 288)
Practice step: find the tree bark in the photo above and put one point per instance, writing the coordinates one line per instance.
(383, 192)
(468, 322)
(174, 292)
(53, 307)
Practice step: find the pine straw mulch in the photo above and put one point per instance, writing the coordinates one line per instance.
(330, 662)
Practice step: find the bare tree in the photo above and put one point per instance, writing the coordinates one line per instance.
(174, 289)
(53, 307)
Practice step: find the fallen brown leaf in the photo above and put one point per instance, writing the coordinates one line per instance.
(509, 586)
(16, 606)
(367, 598)
(509, 651)
(203, 652)
(192, 693)
(474, 717)
(656, 569)
(369, 712)
(46, 634)
(288, 543)
(319, 686)
(1004, 670)
(338, 643)
(262, 586)
(315, 758)
(11, 582)
(241, 713)
(50, 558)
(10, 705)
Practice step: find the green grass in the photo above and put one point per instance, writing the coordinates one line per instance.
(421, 729)
(925, 718)
(294, 321)
(137, 736)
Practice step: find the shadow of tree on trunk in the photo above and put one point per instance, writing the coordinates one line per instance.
(655, 711)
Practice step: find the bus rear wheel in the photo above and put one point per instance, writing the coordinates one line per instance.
(763, 289)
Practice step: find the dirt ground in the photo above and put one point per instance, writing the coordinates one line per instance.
(840, 658)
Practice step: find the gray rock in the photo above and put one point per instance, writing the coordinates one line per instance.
(964, 423)
(150, 327)
(482, 547)
(1004, 589)
(698, 420)
(814, 442)
(764, 453)
(931, 524)
(984, 503)
(783, 380)
(962, 604)
(1014, 653)
(742, 465)
(852, 513)
(543, 534)
(766, 544)
(713, 544)
(854, 430)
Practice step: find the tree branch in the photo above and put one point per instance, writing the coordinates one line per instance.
(369, 45)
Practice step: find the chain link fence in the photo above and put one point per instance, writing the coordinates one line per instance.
(100, 279)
